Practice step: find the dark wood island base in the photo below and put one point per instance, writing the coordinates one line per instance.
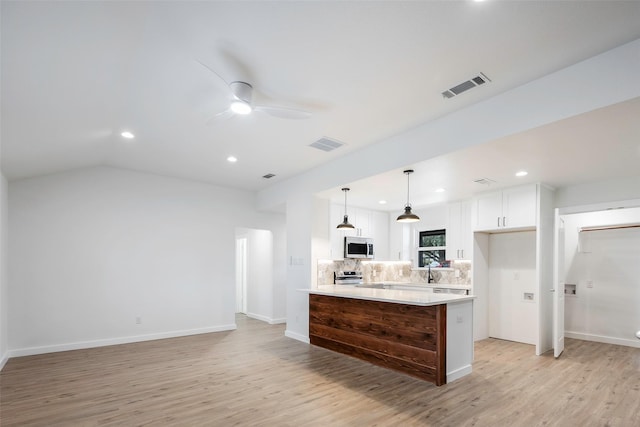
(404, 337)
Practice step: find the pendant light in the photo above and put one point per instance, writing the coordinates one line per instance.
(345, 223)
(407, 216)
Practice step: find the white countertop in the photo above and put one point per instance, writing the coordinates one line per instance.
(388, 295)
(423, 285)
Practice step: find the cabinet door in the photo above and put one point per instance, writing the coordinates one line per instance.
(459, 233)
(379, 227)
(453, 230)
(519, 206)
(465, 233)
(395, 239)
(362, 222)
(488, 212)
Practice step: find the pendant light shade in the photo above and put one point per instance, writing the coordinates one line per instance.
(408, 216)
(345, 222)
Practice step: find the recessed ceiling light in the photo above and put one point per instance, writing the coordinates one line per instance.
(127, 134)
(232, 159)
(439, 190)
(522, 173)
(382, 202)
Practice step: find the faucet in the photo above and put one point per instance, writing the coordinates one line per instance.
(429, 276)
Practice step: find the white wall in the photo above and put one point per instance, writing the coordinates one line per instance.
(91, 250)
(300, 224)
(4, 282)
(608, 311)
(598, 192)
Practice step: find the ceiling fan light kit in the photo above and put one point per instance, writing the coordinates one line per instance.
(408, 216)
(240, 107)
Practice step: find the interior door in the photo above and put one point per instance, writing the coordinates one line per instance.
(558, 289)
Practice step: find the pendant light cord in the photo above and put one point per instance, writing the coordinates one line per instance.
(345, 189)
(408, 204)
(345, 202)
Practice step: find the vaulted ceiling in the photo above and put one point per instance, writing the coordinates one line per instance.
(74, 75)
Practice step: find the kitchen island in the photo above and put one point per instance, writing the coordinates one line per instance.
(426, 335)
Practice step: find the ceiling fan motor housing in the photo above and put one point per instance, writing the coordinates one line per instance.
(242, 91)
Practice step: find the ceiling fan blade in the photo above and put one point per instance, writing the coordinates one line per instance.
(214, 72)
(284, 113)
(220, 116)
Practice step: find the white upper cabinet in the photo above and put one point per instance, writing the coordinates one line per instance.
(379, 224)
(367, 223)
(511, 208)
(459, 233)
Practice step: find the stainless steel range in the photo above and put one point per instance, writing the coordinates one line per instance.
(347, 278)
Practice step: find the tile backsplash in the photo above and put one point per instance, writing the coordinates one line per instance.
(395, 271)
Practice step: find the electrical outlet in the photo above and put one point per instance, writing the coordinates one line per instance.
(528, 296)
(138, 320)
(459, 318)
(457, 274)
(589, 283)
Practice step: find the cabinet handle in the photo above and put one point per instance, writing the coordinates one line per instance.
(461, 253)
(498, 221)
(504, 221)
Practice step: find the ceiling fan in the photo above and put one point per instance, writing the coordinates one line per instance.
(241, 102)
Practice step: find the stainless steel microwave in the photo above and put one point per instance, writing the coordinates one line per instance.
(358, 247)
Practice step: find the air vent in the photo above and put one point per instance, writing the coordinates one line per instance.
(484, 181)
(268, 176)
(465, 86)
(326, 144)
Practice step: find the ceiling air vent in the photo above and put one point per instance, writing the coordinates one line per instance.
(268, 176)
(326, 144)
(484, 181)
(465, 86)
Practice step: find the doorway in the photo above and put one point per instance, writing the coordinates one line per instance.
(597, 286)
(241, 275)
(256, 291)
(513, 287)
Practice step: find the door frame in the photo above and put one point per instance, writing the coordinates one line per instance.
(560, 212)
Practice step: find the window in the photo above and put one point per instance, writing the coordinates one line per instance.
(432, 248)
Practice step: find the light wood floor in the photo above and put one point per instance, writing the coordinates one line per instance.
(255, 376)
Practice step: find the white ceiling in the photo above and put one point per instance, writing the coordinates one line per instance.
(75, 74)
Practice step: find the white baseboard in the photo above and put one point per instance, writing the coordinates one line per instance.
(3, 360)
(115, 341)
(458, 373)
(604, 339)
(266, 319)
(296, 336)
